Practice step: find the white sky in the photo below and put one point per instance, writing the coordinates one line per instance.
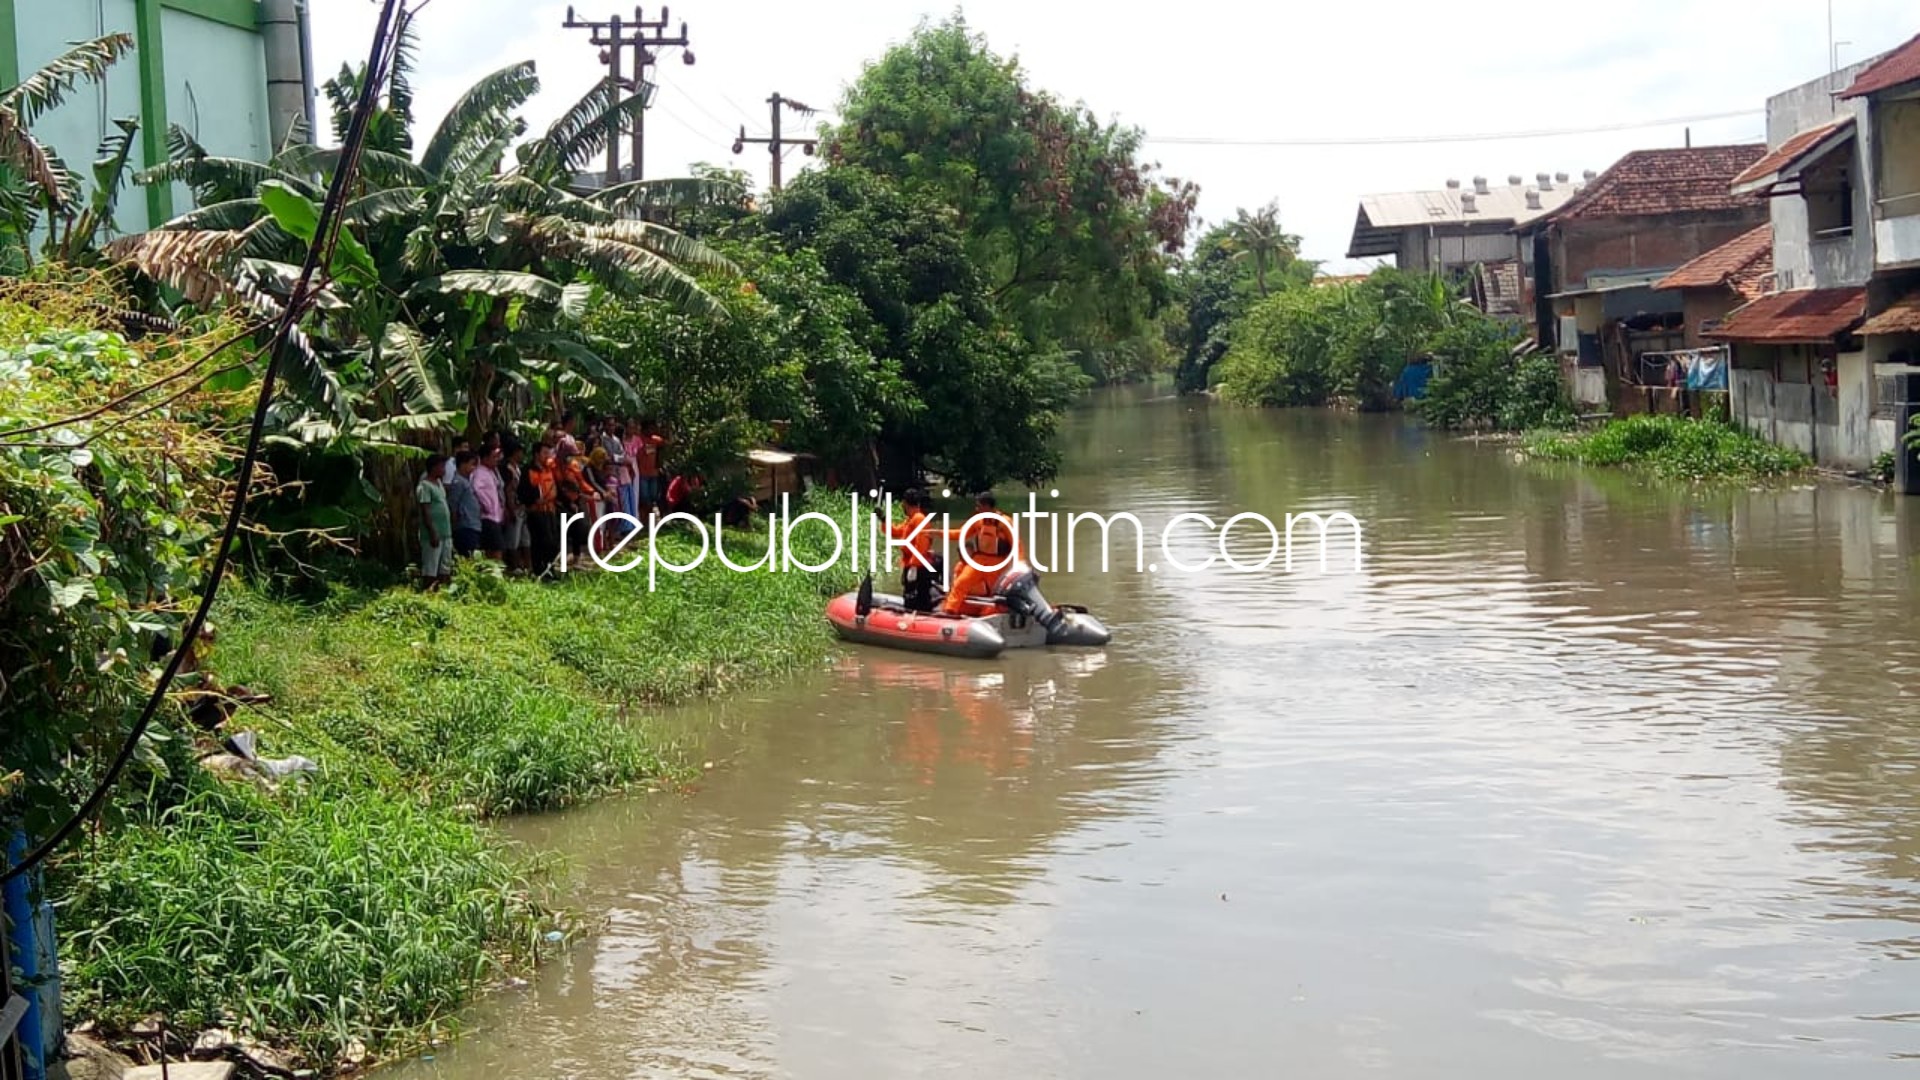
(1305, 69)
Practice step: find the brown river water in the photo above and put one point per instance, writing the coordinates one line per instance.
(1578, 776)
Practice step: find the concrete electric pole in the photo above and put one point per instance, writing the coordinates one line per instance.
(614, 36)
(775, 145)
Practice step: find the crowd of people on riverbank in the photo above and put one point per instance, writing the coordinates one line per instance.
(503, 502)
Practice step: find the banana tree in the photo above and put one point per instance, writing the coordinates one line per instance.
(480, 249)
(35, 184)
(456, 284)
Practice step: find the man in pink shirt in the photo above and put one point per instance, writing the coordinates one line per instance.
(491, 495)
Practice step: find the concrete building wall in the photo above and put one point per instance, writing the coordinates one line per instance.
(1706, 305)
(1833, 262)
(1810, 104)
(210, 78)
(216, 89)
(44, 29)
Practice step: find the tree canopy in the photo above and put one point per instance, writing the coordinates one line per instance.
(1072, 232)
(984, 402)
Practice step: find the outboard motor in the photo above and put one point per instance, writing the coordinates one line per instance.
(1020, 590)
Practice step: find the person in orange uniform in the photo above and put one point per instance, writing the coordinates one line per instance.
(916, 580)
(991, 541)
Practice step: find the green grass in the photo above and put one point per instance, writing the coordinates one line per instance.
(311, 918)
(1671, 447)
(367, 904)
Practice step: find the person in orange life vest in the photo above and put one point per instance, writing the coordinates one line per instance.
(991, 542)
(917, 578)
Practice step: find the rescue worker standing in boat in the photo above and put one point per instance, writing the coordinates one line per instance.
(990, 542)
(917, 579)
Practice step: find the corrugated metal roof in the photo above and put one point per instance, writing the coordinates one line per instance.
(1501, 203)
(1382, 216)
(1901, 317)
(1807, 316)
(1902, 65)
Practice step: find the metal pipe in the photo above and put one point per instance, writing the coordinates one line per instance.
(27, 954)
(280, 36)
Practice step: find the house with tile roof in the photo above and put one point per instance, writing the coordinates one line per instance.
(1824, 358)
(1732, 275)
(1597, 258)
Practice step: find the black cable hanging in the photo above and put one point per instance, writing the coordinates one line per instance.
(385, 38)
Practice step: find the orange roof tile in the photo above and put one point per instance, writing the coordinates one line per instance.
(1789, 152)
(1902, 65)
(1807, 316)
(1669, 181)
(1901, 317)
(1740, 264)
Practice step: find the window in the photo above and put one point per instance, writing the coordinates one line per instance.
(1828, 191)
(1896, 127)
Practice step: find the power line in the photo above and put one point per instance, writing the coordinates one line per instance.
(1408, 140)
(387, 36)
(644, 36)
(708, 113)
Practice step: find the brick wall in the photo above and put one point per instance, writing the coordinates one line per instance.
(1648, 243)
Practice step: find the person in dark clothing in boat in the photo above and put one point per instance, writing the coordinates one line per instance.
(919, 586)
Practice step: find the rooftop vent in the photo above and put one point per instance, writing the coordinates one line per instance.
(1467, 203)
(1480, 186)
(1544, 180)
(1515, 180)
(1561, 177)
(1533, 198)
(1453, 185)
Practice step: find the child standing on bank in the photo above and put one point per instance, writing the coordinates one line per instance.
(436, 524)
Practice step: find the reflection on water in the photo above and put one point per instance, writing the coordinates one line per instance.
(1576, 776)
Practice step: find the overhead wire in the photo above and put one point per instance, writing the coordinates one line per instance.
(380, 56)
(1413, 140)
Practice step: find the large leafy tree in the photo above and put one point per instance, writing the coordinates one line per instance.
(1071, 232)
(788, 363)
(984, 404)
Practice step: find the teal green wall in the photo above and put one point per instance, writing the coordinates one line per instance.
(216, 89)
(210, 79)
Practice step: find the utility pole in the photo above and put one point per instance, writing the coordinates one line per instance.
(614, 36)
(776, 146)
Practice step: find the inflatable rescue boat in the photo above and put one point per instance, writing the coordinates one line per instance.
(1016, 617)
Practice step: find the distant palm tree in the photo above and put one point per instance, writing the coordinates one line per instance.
(1258, 236)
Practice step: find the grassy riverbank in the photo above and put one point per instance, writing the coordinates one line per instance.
(1671, 447)
(352, 912)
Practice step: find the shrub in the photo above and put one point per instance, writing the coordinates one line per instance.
(1673, 447)
(311, 917)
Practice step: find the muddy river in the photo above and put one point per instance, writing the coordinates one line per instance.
(1576, 776)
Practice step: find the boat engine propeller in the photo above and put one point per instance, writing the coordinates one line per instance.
(1020, 591)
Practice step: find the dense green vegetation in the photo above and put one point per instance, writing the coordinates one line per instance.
(1673, 447)
(973, 255)
(1349, 342)
(361, 905)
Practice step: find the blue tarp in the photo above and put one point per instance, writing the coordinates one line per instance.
(1412, 382)
(1707, 371)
